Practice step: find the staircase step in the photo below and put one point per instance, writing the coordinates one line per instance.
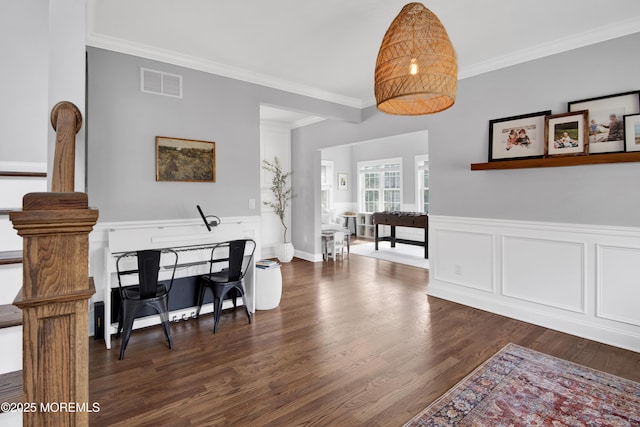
(11, 387)
(24, 174)
(10, 316)
(10, 257)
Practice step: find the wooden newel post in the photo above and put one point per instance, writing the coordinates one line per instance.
(56, 288)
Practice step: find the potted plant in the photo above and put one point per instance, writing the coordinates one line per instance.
(282, 194)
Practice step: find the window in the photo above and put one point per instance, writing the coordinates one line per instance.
(326, 184)
(422, 183)
(380, 185)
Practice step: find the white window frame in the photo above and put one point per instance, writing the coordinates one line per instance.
(372, 164)
(328, 184)
(420, 159)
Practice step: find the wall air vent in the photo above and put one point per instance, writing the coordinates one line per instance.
(160, 83)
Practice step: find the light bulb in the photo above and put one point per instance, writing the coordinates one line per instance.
(413, 68)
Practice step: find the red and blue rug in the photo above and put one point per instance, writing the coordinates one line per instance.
(522, 387)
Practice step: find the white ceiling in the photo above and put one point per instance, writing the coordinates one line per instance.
(328, 48)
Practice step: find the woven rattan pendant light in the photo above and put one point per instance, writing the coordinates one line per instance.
(416, 70)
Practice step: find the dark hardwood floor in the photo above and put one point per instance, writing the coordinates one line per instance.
(353, 343)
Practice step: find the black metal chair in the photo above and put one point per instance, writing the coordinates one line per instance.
(229, 281)
(148, 292)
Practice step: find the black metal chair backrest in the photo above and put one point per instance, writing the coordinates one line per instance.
(238, 265)
(236, 256)
(148, 270)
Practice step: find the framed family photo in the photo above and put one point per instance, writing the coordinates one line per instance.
(606, 113)
(567, 134)
(185, 160)
(632, 132)
(517, 137)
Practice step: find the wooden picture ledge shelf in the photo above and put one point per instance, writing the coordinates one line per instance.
(550, 162)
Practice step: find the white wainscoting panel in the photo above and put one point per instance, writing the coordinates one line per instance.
(580, 279)
(618, 286)
(549, 272)
(466, 258)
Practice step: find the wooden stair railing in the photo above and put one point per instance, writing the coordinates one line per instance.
(56, 287)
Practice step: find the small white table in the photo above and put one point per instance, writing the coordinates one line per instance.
(268, 289)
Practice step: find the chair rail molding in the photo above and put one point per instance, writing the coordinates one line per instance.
(574, 278)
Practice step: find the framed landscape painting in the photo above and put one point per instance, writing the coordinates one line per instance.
(185, 160)
(517, 137)
(606, 113)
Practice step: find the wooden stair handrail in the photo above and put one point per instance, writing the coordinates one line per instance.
(56, 286)
(66, 120)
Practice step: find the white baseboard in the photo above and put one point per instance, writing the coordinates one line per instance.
(308, 256)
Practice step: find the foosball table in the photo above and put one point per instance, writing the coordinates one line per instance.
(402, 219)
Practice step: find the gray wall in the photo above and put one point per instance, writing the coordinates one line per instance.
(596, 194)
(24, 82)
(341, 157)
(123, 122)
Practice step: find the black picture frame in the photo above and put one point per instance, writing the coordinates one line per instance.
(528, 127)
(605, 112)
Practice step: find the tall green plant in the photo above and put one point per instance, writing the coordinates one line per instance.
(282, 193)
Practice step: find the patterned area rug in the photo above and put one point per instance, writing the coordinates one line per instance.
(522, 387)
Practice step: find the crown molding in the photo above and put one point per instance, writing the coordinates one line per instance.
(194, 63)
(586, 38)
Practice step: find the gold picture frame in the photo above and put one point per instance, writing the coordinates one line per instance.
(187, 160)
